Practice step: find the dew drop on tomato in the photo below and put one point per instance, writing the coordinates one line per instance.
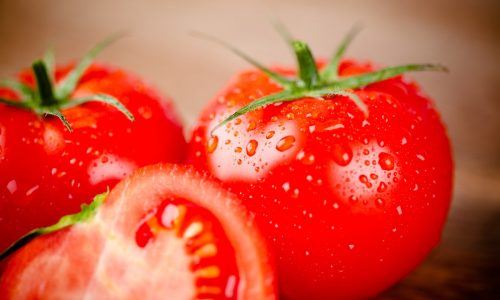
(285, 143)
(251, 147)
(382, 187)
(270, 134)
(342, 154)
(212, 144)
(251, 126)
(386, 161)
(379, 202)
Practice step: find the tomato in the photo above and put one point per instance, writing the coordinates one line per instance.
(46, 171)
(165, 231)
(348, 173)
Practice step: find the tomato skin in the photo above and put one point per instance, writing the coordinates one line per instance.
(100, 258)
(350, 205)
(47, 172)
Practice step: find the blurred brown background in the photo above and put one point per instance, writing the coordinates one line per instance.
(464, 35)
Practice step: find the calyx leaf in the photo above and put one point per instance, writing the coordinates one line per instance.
(49, 98)
(311, 82)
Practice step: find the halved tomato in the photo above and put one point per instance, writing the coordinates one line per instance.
(165, 232)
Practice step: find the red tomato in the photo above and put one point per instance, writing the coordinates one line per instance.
(47, 171)
(165, 231)
(351, 204)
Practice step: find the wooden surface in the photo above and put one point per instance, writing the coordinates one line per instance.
(464, 35)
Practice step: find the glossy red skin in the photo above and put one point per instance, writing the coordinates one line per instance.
(336, 235)
(100, 258)
(55, 171)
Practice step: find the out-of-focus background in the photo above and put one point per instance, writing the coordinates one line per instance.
(464, 35)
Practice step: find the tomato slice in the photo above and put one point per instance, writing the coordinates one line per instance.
(165, 232)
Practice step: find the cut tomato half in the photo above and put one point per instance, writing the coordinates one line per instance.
(165, 232)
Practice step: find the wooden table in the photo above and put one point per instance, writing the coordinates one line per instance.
(464, 35)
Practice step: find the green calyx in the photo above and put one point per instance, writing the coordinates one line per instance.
(49, 98)
(313, 83)
(86, 213)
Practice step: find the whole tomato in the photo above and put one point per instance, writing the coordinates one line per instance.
(60, 144)
(348, 170)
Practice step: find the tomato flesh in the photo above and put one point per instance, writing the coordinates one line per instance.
(212, 256)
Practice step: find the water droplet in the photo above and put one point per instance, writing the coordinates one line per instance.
(237, 121)
(251, 126)
(421, 157)
(379, 202)
(270, 134)
(145, 112)
(212, 144)
(342, 154)
(365, 180)
(286, 186)
(353, 199)
(285, 143)
(373, 176)
(381, 143)
(382, 187)
(104, 159)
(12, 186)
(300, 155)
(238, 149)
(252, 147)
(386, 161)
(366, 151)
(404, 141)
(32, 190)
(399, 210)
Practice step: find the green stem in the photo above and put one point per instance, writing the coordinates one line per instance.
(308, 72)
(44, 84)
